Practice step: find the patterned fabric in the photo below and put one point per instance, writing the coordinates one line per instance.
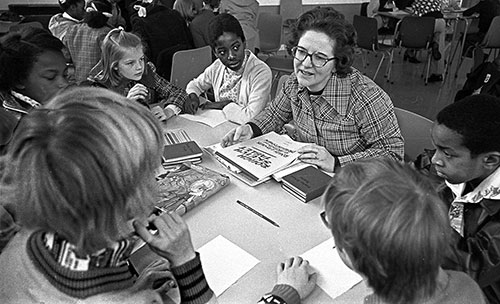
(231, 84)
(17, 104)
(353, 118)
(64, 253)
(161, 90)
(192, 283)
(84, 45)
(487, 189)
(281, 294)
(60, 23)
(82, 284)
(423, 7)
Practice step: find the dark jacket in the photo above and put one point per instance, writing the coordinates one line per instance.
(487, 10)
(478, 251)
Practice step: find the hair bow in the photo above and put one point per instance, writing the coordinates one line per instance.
(93, 8)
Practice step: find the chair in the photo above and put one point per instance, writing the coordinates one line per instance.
(20, 26)
(415, 33)
(269, 26)
(188, 64)
(290, 10)
(415, 130)
(280, 64)
(367, 33)
(491, 40)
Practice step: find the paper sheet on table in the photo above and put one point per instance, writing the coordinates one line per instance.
(210, 117)
(334, 277)
(224, 263)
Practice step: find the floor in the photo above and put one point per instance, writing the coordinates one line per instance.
(408, 90)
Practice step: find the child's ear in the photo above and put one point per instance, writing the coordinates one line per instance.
(492, 160)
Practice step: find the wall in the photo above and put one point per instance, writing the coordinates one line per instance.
(343, 6)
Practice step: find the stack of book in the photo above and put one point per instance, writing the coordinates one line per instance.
(179, 148)
(306, 184)
(254, 161)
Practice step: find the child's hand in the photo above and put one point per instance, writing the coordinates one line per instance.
(159, 113)
(172, 240)
(297, 273)
(192, 103)
(156, 276)
(138, 93)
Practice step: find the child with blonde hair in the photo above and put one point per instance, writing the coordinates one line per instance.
(123, 68)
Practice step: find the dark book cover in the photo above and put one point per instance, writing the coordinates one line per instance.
(308, 182)
(181, 151)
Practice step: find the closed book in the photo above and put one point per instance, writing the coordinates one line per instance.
(181, 152)
(308, 182)
(260, 157)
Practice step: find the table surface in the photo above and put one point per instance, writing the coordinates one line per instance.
(300, 225)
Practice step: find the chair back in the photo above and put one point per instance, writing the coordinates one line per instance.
(290, 9)
(20, 26)
(269, 26)
(188, 64)
(415, 130)
(367, 35)
(492, 38)
(415, 32)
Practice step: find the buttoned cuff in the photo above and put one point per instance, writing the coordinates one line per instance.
(174, 109)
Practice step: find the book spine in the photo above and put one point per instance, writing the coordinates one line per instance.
(294, 188)
(237, 166)
(293, 193)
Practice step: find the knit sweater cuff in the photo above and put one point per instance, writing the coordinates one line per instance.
(287, 293)
(192, 283)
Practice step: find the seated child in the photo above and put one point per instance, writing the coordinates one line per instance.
(83, 170)
(124, 69)
(73, 13)
(466, 135)
(241, 82)
(390, 227)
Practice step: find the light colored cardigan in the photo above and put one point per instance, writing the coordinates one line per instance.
(255, 90)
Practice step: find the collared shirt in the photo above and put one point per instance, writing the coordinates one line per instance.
(488, 189)
(353, 118)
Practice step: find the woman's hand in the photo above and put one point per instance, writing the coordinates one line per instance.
(156, 276)
(217, 105)
(138, 93)
(172, 239)
(317, 155)
(297, 273)
(192, 103)
(241, 133)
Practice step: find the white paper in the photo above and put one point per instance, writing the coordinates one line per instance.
(334, 277)
(210, 117)
(224, 263)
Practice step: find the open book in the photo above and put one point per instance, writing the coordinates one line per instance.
(260, 157)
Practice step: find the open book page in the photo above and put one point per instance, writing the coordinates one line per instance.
(262, 156)
(224, 263)
(334, 277)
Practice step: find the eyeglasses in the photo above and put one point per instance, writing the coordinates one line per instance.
(322, 215)
(317, 59)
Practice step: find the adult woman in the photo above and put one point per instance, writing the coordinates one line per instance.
(32, 69)
(83, 168)
(345, 115)
(84, 40)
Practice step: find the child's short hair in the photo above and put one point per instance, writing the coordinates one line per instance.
(224, 23)
(113, 48)
(82, 166)
(98, 13)
(66, 4)
(477, 119)
(394, 228)
(20, 50)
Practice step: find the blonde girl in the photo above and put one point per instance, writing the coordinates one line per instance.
(124, 69)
